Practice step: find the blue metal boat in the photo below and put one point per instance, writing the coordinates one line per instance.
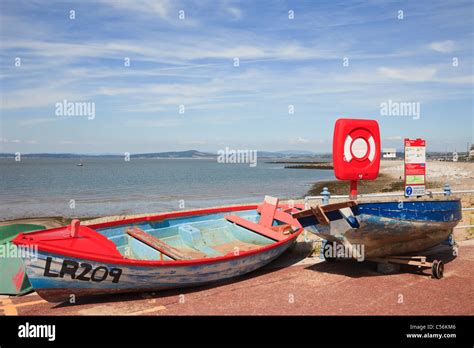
(384, 228)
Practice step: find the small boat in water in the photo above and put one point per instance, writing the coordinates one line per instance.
(384, 228)
(166, 251)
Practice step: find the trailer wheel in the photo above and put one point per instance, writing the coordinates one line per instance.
(437, 269)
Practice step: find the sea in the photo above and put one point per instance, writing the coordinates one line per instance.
(44, 187)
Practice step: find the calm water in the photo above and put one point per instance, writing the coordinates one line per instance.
(45, 187)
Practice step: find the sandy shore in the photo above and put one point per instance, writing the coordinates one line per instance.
(459, 175)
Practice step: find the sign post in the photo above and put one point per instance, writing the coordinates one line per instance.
(415, 167)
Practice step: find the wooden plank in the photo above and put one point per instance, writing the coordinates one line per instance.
(257, 228)
(285, 217)
(271, 200)
(302, 214)
(324, 208)
(403, 261)
(285, 207)
(409, 257)
(285, 229)
(156, 243)
(268, 210)
(337, 206)
(294, 208)
(319, 213)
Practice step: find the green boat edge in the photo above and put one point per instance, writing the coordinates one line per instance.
(10, 266)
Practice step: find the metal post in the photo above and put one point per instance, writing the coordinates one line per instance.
(353, 194)
(447, 190)
(326, 195)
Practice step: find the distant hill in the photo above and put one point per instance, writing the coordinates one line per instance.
(297, 153)
(175, 154)
(45, 155)
(289, 154)
(168, 154)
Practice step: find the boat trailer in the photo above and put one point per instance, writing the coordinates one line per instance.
(437, 266)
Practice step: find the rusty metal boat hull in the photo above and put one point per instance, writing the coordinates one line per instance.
(392, 227)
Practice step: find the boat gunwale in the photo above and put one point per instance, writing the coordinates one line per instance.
(150, 263)
(403, 199)
(373, 210)
(455, 222)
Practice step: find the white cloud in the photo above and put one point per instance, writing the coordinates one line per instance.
(154, 7)
(42, 95)
(413, 74)
(235, 12)
(394, 137)
(160, 123)
(442, 46)
(299, 140)
(31, 122)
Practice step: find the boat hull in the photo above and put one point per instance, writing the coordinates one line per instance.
(393, 228)
(48, 278)
(383, 236)
(13, 280)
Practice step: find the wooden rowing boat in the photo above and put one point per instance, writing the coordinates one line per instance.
(170, 250)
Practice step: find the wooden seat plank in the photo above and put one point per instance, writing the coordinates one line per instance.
(156, 243)
(252, 226)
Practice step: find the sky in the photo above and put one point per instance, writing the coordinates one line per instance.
(163, 75)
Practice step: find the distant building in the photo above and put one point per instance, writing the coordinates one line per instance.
(389, 153)
(471, 153)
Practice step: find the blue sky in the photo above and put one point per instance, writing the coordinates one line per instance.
(190, 62)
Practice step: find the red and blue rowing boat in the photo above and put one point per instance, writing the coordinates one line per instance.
(166, 251)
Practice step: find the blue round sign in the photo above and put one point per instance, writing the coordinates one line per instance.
(409, 190)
